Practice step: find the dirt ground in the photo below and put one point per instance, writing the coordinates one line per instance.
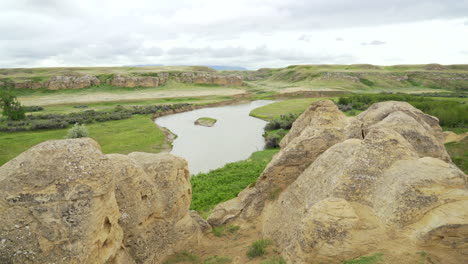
(137, 95)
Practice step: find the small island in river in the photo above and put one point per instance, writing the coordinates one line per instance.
(205, 121)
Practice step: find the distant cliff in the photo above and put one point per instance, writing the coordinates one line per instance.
(144, 80)
(339, 77)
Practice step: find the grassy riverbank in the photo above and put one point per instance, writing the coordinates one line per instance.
(216, 186)
(138, 133)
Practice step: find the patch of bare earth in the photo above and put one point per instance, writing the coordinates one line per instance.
(137, 95)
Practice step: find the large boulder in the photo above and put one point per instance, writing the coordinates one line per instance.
(153, 192)
(57, 205)
(342, 187)
(63, 201)
(396, 186)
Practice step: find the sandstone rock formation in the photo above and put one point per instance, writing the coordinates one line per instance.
(345, 187)
(450, 136)
(64, 201)
(155, 80)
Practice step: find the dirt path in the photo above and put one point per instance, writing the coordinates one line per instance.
(136, 95)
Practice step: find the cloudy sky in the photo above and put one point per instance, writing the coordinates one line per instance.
(248, 33)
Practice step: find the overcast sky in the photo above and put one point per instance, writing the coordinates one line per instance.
(248, 33)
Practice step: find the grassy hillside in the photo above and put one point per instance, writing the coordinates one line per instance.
(365, 77)
(43, 74)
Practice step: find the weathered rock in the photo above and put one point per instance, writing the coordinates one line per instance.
(384, 182)
(127, 81)
(422, 138)
(450, 136)
(57, 205)
(344, 187)
(71, 82)
(358, 192)
(66, 202)
(377, 112)
(157, 220)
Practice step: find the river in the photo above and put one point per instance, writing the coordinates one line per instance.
(234, 137)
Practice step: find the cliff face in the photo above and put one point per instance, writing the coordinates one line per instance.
(342, 187)
(155, 80)
(64, 201)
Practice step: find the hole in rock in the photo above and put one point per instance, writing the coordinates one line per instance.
(107, 225)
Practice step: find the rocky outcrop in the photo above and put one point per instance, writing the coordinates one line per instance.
(64, 201)
(450, 137)
(154, 80)
(71, 82)
(123, 81)
(344, 187)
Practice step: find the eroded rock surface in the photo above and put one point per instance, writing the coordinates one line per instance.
(342, 187)
(156, 79)
(63, 201)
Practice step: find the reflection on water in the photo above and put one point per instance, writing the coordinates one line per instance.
(234, 136)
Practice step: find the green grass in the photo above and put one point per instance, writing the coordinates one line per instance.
(258, 248)
(138, 133)
(223, 230)
(216, 186)
(183, 257)
(458, 151)
(69, 108)
(274, 260)
(275, 110)
(206, 121)
(217, 260)
(375, 258)
(186, 257)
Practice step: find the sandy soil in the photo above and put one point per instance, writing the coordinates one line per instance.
(137, 95)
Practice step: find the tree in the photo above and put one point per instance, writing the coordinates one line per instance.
(11, 108)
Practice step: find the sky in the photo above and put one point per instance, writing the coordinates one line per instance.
(249, 33)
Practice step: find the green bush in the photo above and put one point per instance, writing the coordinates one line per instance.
(48, 124)
(78, 131)
(10, 106)
(258, 248)
(273, 138)
(284, 122)
(54, 121)
(33, 108)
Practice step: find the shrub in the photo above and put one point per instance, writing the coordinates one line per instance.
(48, 124)
(258, 248)
(33, 108)
(77, 131)
(80, 106)
(273, 138)
(12, 109)
(284, 122)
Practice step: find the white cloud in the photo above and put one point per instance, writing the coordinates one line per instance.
(374, 43)
(250, 33)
